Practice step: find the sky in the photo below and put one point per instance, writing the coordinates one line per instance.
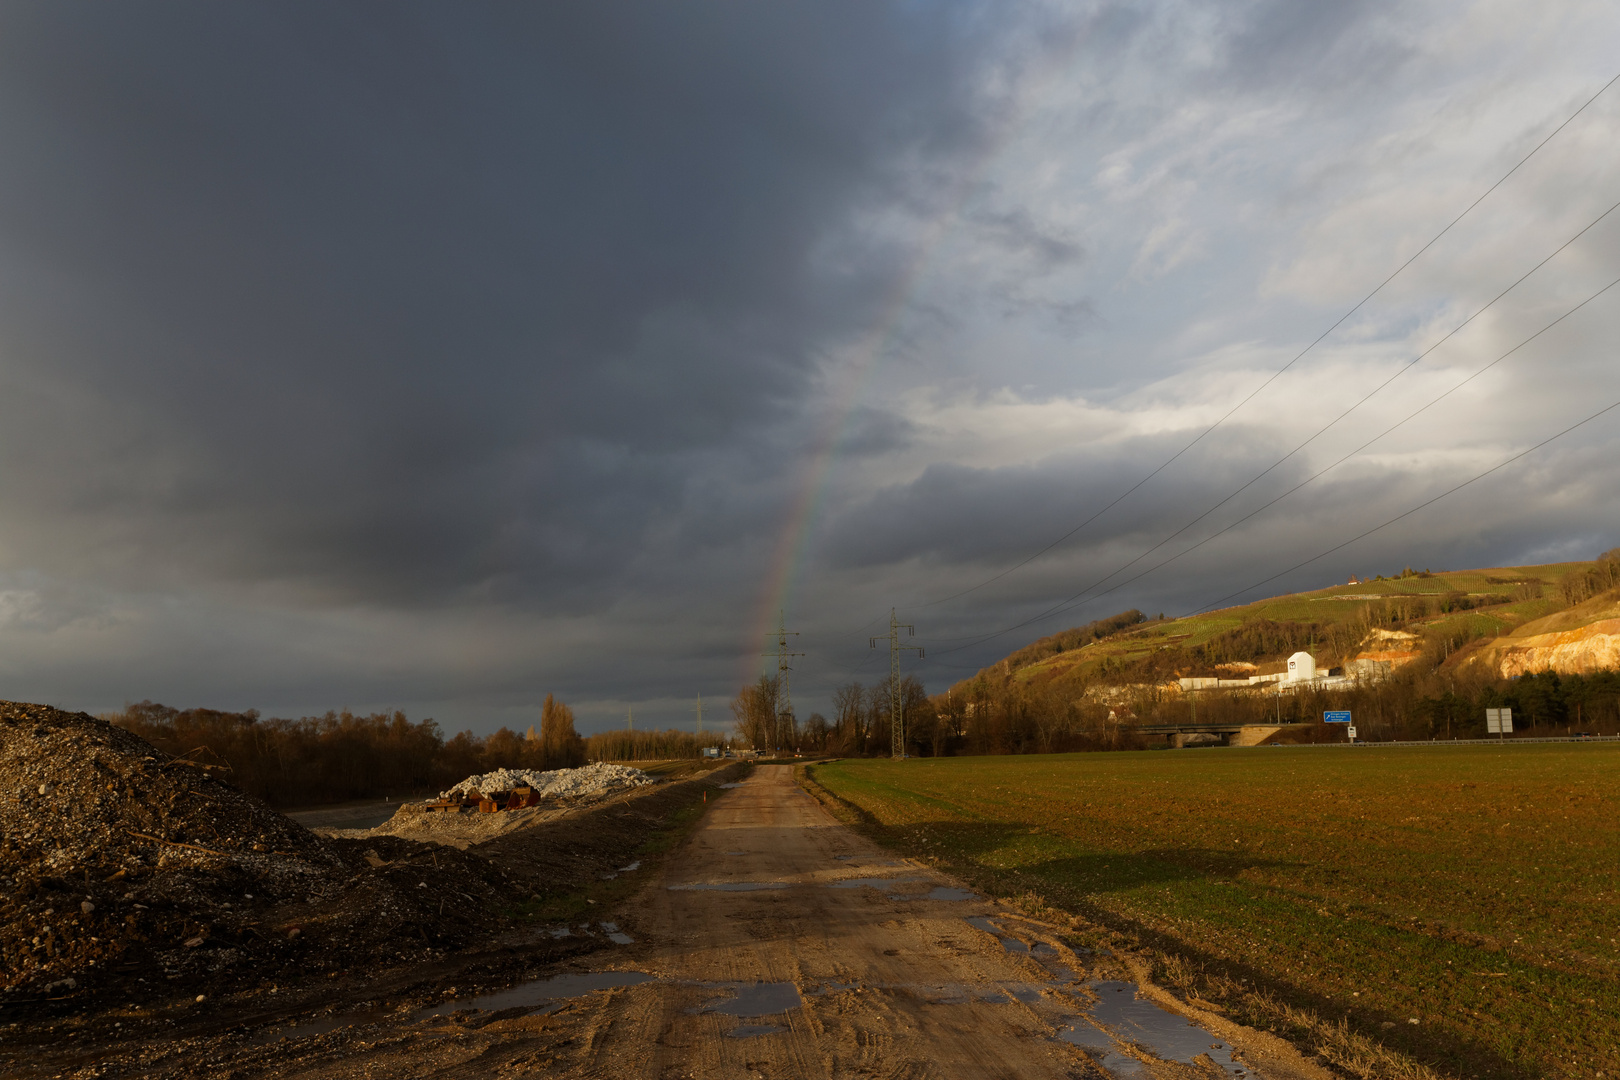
(441, 356)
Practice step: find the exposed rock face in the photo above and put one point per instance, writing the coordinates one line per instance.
(1591, 648)
(1382, 651)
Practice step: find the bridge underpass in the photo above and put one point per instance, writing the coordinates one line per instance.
(1226, 734)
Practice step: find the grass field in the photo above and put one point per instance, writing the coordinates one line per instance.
(1473, 889)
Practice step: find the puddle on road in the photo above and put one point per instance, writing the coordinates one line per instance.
(637, 864)
(755, 999)
(938, 892)
(1011, 944)
(1041, 950)
(728, 886)
(1169, 1036)
(1101, 1048)
(614, 934)
(875, 882)
(541, 991)
(946, 892)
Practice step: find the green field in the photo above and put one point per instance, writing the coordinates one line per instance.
(1475, 889)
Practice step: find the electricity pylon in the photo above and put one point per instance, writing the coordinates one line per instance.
(897, 720)
(700, 714)
(784, 704)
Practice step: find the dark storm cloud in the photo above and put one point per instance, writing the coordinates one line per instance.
(393, 302)
(953, 513)
(446, 355)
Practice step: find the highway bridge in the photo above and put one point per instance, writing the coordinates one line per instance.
(1229, 734)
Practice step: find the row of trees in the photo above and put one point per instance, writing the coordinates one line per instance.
(860, 723)
(1424, 700)
(342, 755)
(649, 745)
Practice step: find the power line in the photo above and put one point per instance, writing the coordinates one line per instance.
(1346, 457)
(784, 704)
(1450, 491)
(1280, 371)
(897, 719)
(1402, 370)
(1070, 601)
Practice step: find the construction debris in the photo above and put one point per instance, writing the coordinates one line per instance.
(483, 807)
(499, 786)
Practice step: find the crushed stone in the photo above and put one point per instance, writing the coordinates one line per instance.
(556, 784)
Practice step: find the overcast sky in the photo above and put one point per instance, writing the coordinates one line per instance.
(441, 356)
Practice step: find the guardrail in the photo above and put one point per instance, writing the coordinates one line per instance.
(1486, 741)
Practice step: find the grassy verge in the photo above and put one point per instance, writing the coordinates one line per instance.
(1335, 896)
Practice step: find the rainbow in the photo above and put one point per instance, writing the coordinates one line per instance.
(798, 525)
(793, 542)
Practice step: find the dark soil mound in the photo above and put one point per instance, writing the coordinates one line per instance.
(121, 863)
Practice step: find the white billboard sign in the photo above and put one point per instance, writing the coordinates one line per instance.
(1499, 721)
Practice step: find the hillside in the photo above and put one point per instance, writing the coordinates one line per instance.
(1448, 637)
(1447, 609)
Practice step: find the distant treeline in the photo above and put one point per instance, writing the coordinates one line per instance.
(649, 745)
(860, 724)
(1418, 702)
(342, 756)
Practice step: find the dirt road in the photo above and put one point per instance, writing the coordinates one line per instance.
(777, 943)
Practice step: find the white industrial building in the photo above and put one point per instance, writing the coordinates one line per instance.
(1302, 672)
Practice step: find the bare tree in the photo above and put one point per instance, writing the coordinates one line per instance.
(754, 709)
(849, 713)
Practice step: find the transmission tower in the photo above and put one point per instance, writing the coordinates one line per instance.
(700, 714)
(784, 703)
(897, 720)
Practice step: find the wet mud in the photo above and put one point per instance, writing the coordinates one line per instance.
(773, 943)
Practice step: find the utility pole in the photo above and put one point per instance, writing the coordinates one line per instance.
(897, 720)
(784, 704)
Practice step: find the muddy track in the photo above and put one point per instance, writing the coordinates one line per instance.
(777, 943)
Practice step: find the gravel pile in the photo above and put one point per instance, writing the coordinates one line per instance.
(109, 843)
(557, 784)
(119, 863)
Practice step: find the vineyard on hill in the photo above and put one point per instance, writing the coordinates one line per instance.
(1443, 646)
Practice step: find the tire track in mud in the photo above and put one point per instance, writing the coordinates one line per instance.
(782, 944)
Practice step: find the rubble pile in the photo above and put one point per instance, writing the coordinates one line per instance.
(109, 843)
(590, 779)
(120, 863)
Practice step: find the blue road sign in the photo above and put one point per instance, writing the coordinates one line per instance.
(1336, 716)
